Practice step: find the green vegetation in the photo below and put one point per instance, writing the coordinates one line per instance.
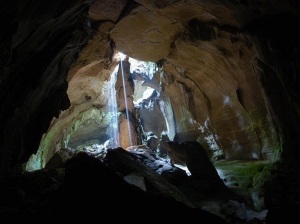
(244, 168)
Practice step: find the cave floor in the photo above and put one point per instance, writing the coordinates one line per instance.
(239, 175)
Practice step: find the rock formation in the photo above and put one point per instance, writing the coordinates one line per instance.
(221, 73)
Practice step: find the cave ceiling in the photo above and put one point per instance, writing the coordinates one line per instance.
(163, 93)
(207, 87)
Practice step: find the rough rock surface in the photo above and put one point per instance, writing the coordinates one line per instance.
(225, 75)
(94, 191)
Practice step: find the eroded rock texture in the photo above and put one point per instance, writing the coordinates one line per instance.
(222, 73)
(37, 48)
(221, 78)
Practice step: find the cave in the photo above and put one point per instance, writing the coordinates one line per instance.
(150, 111)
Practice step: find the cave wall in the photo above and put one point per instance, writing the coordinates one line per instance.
(277, 68)
(38, 46)
(229, 75)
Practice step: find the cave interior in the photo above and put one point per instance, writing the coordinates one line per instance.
(150, 111)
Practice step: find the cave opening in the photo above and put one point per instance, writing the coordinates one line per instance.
(121, 119)
(225, 77)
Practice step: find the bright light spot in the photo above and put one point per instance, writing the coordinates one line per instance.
(201, 128)
(184, 168)
(146, 94)
(164, 132)
(220, 172)
(212, 143)
(121, 56)
(206, 123)
(112, 109)
(142, 67)
(255, 156)
(226, 100)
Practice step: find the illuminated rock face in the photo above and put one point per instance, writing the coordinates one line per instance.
(226, 77)
(223, 73)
